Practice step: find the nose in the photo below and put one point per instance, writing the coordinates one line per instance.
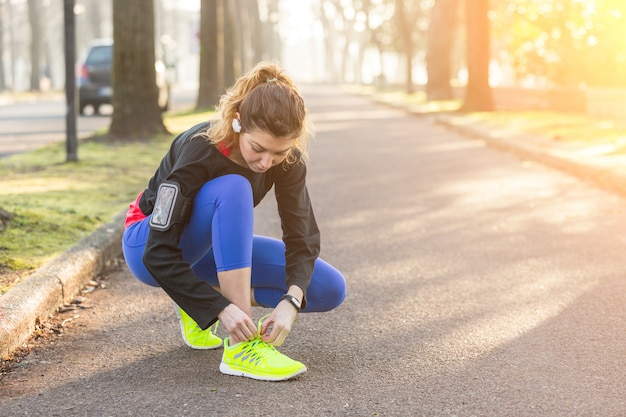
(266, 161)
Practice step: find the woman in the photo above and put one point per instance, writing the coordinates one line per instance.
(191, 230)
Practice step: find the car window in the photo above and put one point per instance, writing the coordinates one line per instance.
(99, 55)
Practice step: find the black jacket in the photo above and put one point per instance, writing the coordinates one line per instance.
(191, 162)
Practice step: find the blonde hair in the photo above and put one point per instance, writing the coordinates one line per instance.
(267, 100)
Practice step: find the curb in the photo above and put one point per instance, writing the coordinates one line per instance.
(41, 293)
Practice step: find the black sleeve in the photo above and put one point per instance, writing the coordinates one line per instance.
(301, 234)
(164, 261)
(162, 256)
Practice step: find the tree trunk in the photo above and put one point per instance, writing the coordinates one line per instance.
(256, 31)
(441, 35)
(373, 36)
(407, 44)
(478, 95)
(273, 43)
(136, 112)
(94, 17)
(211, 81)
(232, 64)
(244, 40)
(330, 46)
(3, 85)
(35, 44)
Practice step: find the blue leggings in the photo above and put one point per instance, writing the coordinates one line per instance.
(219, 237)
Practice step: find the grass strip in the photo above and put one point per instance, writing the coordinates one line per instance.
(54, 203)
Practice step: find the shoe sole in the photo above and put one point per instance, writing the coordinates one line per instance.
(227, 370)
(182, 332)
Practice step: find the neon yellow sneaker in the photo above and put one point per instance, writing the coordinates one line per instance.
(194, 336)
(258, 360)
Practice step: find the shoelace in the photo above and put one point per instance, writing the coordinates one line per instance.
(269, 329)
(257, 350)
(214, 327)
(260, 323)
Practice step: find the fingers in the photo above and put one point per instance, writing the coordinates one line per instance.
(243, 331)
(238, 324)
(277, 326)
(274, 330)
(275, 334)
(268, 331)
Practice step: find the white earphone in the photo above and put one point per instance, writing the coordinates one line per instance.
(236, 124)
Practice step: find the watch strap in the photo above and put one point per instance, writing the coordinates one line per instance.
(293, 300)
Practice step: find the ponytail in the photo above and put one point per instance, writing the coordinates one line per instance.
(267, 100)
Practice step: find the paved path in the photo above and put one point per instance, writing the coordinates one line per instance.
(39, 120)
(480, 284)
(28, 125)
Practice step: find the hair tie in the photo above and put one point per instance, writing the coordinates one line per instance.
(271, 80)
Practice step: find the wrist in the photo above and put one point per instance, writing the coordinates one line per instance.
(293, 300)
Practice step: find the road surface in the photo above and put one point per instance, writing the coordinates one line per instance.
(28, 125)
(479, 284)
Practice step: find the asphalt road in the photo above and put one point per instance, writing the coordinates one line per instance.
(29, 124)
(479, 285)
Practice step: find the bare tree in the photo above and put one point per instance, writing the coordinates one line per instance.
(272, 38)
(2, 76)
(136, 111)
(339, 33)
(34, 19)
(94, 17)
(232, 61)
(330, 40)
(211, 82)
(441, 36)
(407, 44)
(256, 31)
(478, 95)
(249, 31)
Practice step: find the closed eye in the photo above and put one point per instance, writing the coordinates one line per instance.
(261, 150)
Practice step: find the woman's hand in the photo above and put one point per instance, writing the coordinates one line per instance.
(238, 324)
(279, 322)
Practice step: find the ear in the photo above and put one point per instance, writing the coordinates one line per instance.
(236, 124)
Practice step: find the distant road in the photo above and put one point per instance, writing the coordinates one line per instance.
(28, 125)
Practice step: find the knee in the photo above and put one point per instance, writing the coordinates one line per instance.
(328, 293)
(235, 186)
(227, 188)
(336, 292)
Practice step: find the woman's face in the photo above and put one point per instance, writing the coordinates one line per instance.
(261, 150)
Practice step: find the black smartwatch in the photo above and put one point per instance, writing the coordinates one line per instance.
(293, 300)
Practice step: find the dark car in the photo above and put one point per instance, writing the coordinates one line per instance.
(94, 78)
